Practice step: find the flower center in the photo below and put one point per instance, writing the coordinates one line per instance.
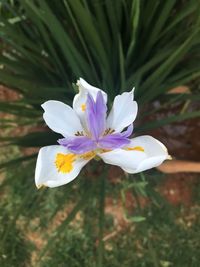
(64, 162)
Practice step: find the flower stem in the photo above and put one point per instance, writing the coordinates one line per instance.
(152, 252)
(100, 250)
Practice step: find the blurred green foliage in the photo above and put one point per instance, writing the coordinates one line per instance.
(45, 47)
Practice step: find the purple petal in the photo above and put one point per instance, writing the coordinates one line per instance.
(96, 115)
(79, 144)
(128, 131)
(113, 141)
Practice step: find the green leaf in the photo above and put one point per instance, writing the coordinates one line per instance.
(137, 219)
(171, 119)
(36, 139)
(16, 161)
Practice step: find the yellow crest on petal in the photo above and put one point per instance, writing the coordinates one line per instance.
(64, 162)
(83, 107)
(137, 148)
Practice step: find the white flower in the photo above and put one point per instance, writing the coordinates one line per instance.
(88, 132)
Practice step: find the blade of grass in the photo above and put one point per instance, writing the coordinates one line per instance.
(16, 161)
(82, 41)
(166, 67)
(122, 65)
(171, 119)
(135, 15)
(70, 52)
(36, 139)
(87, 25)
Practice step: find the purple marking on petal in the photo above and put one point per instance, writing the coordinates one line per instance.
(96, 115)
(113, 141)
(78, 144)
(128, 131)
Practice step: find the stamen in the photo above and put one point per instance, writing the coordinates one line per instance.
(79, 133)
(83, 107)
(138, 148)
(64, 162)
(108, 131)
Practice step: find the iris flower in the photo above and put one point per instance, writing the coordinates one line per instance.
(88, 132)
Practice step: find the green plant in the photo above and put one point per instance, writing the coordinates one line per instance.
(115, 45)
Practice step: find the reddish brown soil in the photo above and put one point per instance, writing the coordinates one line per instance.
(182, 139)
(178, 188)
(183, 143)
(8, 94)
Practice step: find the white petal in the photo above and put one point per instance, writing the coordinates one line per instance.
(46, 172)
(123, 112)
(134, 161)
(61, 118)
(127, 160)
(79, 103)
(156, 152)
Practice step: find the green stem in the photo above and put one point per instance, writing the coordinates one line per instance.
(100, 249)
(152, 251)
(153, 254)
